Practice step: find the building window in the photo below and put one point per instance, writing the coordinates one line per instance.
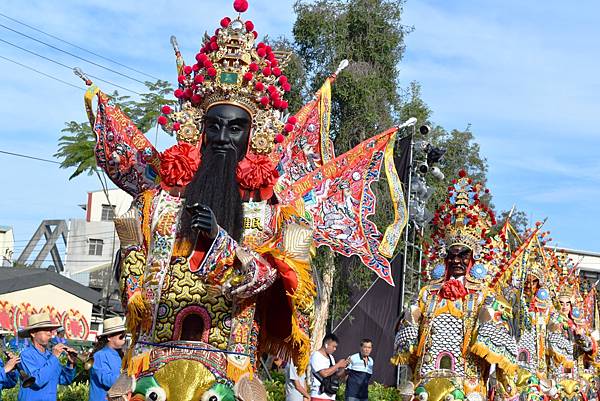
(108, 213)
(96, 247)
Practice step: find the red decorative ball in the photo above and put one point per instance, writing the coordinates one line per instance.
(259, 86)
(274, 95)
(260, 45)
(268, 49)
(178, 93)
(162, 120)
(253, 67)
(211, 72)
(462, 173)
(196, 99)
(176, 126)
(225, 22)
(187, 70)
(279, 138)
(214, 46)
(240, 5)
(248, 76)
(249, 26)
(284, 104)
(188, 93)
(181, 79)
(286, 87)
(166, 109)
(277, 103)
(213, 38)
(196, 67)
(274, 62)
(255, 34)
(292, 120)
(276, 71)
(264, 100)
(266, 71)
(200, 57)
(207, 63)
(261, 52)
(282, 79)
(288, 127)
(199, 79)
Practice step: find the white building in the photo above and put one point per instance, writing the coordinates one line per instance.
(587, 262)
(7, 246)
(92, 242)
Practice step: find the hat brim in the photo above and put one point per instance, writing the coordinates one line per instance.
(25, 332)
(112, 332)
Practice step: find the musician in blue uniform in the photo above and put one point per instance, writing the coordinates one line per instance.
(41, 363)
(107, 358)
(8, 373)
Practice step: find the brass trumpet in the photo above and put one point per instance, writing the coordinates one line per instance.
(86, 358)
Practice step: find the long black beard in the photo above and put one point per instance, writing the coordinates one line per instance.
(214, 185)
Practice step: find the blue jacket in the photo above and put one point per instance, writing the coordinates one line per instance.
(7, 380)
(48, 373)
(104, 373)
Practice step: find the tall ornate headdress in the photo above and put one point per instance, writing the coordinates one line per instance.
(464, 219)
(536, 262)
(231, 69)
(565, 277)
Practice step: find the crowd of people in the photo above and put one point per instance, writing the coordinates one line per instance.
(45, 360)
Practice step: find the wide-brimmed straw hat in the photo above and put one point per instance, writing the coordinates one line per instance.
(113, 325)
(36, 322)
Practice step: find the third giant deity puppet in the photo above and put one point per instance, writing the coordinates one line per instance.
(215, 251)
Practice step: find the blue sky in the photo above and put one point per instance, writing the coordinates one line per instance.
(523, 74)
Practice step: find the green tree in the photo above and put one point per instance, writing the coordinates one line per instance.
(365, 100)
(76, 146)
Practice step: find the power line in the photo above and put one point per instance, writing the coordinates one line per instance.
(76, 46)
(65, 66)
(71, 54)
(29, 157)
(42, 73)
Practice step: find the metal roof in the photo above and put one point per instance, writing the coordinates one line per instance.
(21, 278)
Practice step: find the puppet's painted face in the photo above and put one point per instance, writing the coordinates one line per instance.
(565, 305)
(227, 128)
(458, 259)
(532, 284)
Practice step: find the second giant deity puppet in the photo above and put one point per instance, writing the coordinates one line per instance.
(457, 327)
(215, 250)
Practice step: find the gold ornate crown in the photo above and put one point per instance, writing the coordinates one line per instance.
(566, 278)
(537, 264)
(230, 69)
(463, 219)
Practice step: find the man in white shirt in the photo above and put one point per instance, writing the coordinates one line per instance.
(359, 372)
(295, 384)
(322, 366)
